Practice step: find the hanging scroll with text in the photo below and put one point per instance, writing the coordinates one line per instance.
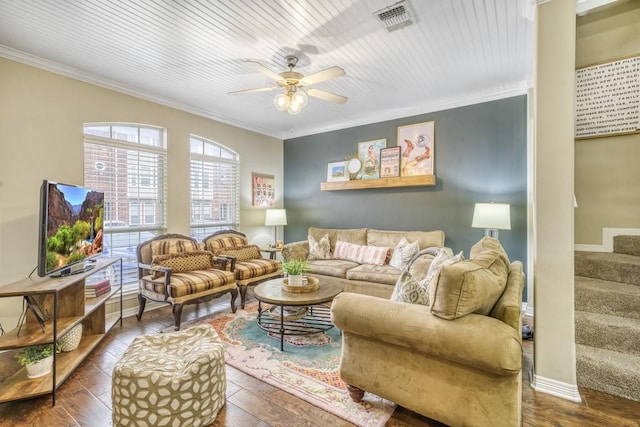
(608, 98)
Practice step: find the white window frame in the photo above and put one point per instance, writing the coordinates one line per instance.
(147, 152)
(202, 185)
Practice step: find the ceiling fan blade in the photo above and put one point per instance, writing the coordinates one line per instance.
(327, 96)
(320, 76)
(260, 89)
(264, 70)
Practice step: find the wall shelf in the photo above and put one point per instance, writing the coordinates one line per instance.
(363, 184)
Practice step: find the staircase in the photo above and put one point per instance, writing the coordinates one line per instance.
(607, 318)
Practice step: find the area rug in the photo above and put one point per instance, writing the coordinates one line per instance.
(307, 368)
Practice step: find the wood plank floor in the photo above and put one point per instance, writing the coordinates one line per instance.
(85, 398)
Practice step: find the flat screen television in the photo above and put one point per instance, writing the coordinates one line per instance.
(71, 219)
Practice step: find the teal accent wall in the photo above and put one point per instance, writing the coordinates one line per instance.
(480, 156)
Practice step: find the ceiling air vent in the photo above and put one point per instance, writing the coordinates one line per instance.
(396, 16)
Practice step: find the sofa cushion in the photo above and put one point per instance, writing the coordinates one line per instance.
(256, 268)
(351, 235)
(472, 286)
(188, 283)
(425, 239)
(361, 254)
(172, 246)
(331, 267)
(319, 249)
(403, 253)
(242, 253)
(183, 261)
(374, 273)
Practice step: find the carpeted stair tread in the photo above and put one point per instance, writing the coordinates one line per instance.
(629, 245)
(608, 332)
(608, 266)
(608, 371)
(606, 297)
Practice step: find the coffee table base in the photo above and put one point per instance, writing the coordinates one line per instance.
(318, 319)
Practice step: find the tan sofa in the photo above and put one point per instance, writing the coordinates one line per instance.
(457, 360)
(376, 280)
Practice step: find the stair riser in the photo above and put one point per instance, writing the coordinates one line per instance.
(615, 304)
(608, 270)
(616, 338)
(629, 245)
(623, 383)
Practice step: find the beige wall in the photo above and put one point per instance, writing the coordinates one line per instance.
(606, 169)
(41, 119)
(554, 350)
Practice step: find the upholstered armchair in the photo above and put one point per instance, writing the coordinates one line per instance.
(246, 261)
(174, 269)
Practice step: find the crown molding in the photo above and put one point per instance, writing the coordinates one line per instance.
(74, 73)
(387, 115)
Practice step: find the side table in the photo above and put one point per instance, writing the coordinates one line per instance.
(272, 252)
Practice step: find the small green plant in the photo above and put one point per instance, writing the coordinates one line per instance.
(32, 354)
(295, 267)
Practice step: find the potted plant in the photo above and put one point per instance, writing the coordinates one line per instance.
(37, 359)
(295, 269)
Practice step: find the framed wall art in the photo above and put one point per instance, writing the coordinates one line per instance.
(337, 171)
(263, 191)
(416, 142)
(369, 155)
(389, 162)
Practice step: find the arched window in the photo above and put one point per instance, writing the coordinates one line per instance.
(215, 187)
(127, 162)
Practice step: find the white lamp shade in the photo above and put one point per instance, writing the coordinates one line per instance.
(275, 217)
(281, 101)
(492, 215)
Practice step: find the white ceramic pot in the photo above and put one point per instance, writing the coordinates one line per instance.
(40, 368)
(295, 280)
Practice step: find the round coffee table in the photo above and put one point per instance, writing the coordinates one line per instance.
(294, 313)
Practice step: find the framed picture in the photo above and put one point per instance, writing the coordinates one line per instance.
(263, 191)
(369, 155)
(337, 171)
(416, 142)
(389, 162)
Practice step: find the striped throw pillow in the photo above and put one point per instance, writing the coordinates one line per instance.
(375, 255)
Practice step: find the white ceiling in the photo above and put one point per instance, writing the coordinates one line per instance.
(190, 53)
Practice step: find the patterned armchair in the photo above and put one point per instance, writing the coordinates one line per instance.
(246, 261)
(173, 268)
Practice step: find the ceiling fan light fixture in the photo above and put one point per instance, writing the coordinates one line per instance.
(300, 98)
(294, 108)
(281, 101)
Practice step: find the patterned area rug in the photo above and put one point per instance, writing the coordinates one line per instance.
(307, 368)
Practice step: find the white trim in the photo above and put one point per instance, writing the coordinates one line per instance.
(607, 239)
(74, 73)
(555, 388)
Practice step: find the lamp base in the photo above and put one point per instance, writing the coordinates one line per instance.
(491, 232)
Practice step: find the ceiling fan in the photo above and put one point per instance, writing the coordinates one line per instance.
(296, 86)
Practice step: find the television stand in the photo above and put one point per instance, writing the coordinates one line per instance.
(63, 298)
(81, 267)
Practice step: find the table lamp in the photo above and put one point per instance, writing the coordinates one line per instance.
(492, 217)
(275, 218)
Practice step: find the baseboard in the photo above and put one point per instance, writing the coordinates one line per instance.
(607, 239)
(554, 388)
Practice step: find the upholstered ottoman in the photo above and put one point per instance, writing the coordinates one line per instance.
(172, 379)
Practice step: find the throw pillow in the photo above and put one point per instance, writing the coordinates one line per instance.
(183, 262)
(403, 253)
(444, 254)
(408, 289)
(471, 286)
(319, 249)
(172, 246)
(375, 255)
(242, 253)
